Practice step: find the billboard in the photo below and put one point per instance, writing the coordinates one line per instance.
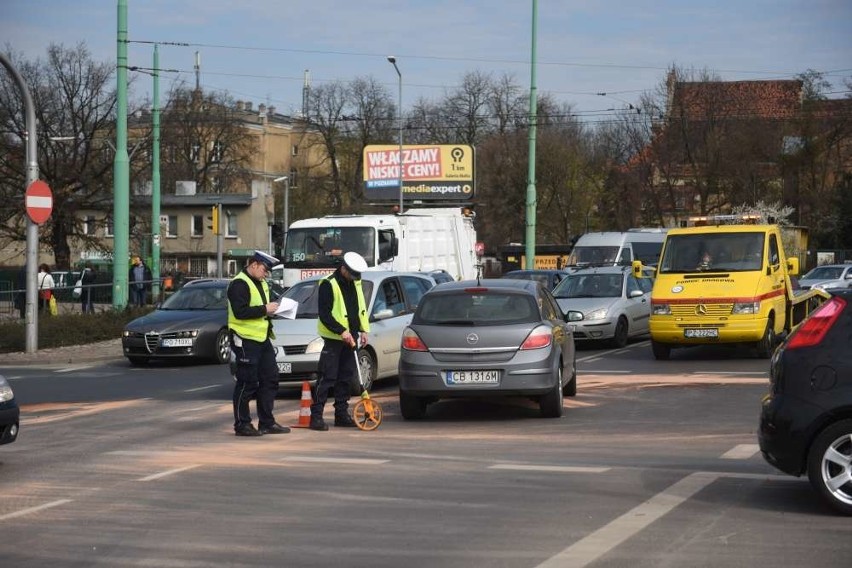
(436, 172)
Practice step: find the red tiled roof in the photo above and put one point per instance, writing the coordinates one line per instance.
(742, 99)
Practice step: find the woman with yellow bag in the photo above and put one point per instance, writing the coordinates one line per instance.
(46, 299)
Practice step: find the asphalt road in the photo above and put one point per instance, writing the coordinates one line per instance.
(653, 464)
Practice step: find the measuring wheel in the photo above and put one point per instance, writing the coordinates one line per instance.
(367, 414)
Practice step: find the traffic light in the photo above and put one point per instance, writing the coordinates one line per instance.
(214, 219)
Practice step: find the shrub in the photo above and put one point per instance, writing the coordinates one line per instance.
(69, 329)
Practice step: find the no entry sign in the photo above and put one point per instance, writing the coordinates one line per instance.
(39, 202)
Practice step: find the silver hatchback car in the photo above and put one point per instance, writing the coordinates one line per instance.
(606, 303)
(391, 299)
(487, 338)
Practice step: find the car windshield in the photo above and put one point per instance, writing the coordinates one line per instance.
(824, 273)
(593, 255)
(197, 298)
(702, 252)
(488, 307)
(590, 286)
(305, 293)
(323, 247)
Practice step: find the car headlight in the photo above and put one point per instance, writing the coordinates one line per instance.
(315, 346)
(189, 333)
(125, 333)
(746, 308)
(6, 393)
(575, 316)
(662, 310)
(596, 315)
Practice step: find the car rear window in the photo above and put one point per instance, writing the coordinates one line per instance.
(490, 307)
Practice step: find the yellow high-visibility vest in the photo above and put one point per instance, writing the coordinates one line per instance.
(338, 310)
(255, 329)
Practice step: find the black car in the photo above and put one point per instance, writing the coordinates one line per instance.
(193, 323)
(9, 413)
(806, 419)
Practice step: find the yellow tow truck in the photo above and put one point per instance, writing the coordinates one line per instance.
(725, 283)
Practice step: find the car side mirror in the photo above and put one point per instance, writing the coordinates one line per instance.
(635, 293)
(637, 269)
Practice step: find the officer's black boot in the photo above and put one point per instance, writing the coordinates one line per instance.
(317, 423)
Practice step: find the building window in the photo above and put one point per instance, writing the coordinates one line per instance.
(294, 150)
(88, 225)
(231, 225)
(172, 226)
(108, 227)
(197, 229)
(294, 178)
(195, 153)
(231, 269)
(217, 150)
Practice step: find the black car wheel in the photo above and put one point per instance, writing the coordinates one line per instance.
(223, 347)
(412, 407)
(830, 465)
(550, 404)
(662, 352)
(570, 388)
(367, 364)
(767, 342)
(619, 339)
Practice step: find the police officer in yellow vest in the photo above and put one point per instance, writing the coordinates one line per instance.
(249, 308)
(343, 325)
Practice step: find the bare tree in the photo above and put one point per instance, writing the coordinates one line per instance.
(74, 98)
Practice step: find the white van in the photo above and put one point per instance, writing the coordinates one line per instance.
(618, 249)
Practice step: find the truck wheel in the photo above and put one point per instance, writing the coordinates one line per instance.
(767, 343)
(829, 462)
(662, 352)
(412, 407)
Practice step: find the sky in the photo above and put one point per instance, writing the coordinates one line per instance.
(258, 50)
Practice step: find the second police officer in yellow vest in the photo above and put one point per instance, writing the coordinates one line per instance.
(343, 325)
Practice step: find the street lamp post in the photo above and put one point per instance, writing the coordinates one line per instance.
(285, 179)
(392, 60)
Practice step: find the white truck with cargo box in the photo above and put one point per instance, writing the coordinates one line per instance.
(416, 240)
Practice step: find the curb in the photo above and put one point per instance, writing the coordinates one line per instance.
(85, 353)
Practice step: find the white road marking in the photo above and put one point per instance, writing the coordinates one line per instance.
(29, 510)
(349, 461)
(603, 371)
(588, 549)
(555, 468)
(735, 373)
(74, 368)
(741, 452)
(169, 472)
(203, 388)
(590, 359)
(205, 407)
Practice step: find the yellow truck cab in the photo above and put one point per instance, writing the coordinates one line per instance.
(725, 284)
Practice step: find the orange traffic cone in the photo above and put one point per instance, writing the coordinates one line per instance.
(305, 406)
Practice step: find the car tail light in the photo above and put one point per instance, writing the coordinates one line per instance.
(538, 338)
(412, 342)
(476, 290)
(812, 331)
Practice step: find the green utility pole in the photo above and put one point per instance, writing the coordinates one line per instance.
(531, 196)
(155, 179)
(121, 170)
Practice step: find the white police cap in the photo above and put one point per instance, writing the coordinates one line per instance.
(268, 260)
(354, 263)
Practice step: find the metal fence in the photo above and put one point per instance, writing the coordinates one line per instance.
(67, 303)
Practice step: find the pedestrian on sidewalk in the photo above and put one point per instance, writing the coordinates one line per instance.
(87, 279)
(139, 280)
(45, 283)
